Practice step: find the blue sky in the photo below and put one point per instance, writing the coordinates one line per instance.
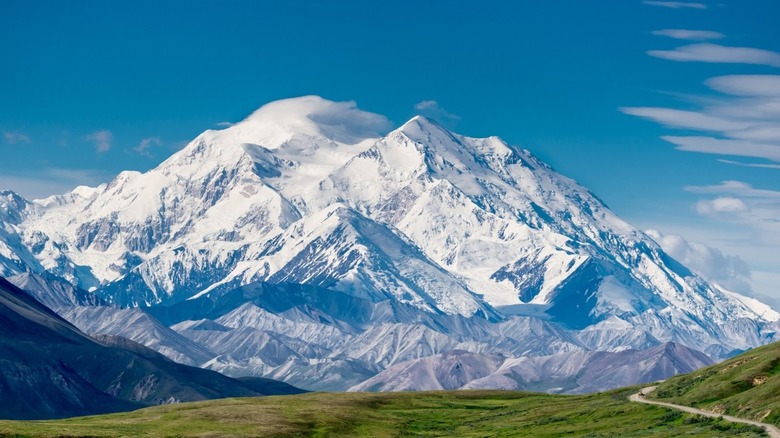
(607, 92)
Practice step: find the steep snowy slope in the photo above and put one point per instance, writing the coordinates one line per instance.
(15, 257)
(308, 191)
(53, 291)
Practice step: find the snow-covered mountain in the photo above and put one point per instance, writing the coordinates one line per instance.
(305, 191)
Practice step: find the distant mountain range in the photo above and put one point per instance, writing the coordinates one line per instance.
(301, 245)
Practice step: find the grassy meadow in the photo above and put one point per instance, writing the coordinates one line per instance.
(424, 414)
(746, 386)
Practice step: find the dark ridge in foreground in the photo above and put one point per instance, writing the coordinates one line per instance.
(50, 369)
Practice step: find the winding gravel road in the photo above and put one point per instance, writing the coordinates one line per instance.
(639, 397)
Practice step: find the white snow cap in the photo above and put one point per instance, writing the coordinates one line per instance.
(342, 122)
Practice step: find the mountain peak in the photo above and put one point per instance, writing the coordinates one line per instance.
(419, 125)
(11, 206)
(308, 191)
(421, 129)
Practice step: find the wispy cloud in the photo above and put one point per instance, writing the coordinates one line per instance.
(225, 124)
(730, 271)
(739, 117)
(736, 188)
(145, 146)
(102, 139)
(14, 137)
(756, 165)
(714, 53)
(676, 5)
(686, 119)
(51, 181)
(748, 211)
(746, 85)
(685, 34)
(750, 130)
(740, 203)
(743, 121)
(769, 132)
(432, 110)
(719, 146)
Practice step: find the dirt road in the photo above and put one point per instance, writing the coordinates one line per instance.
(639, 397)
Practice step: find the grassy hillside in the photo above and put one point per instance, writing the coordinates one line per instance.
(459, 413)
(747, 385)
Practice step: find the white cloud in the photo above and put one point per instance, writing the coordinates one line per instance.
(225, 124)
(735, 127)
(146, 144)
(750, 213)
(746, 85)
(16, 137)
(761, 110)
(740, 119)
(737, 188)
(426, 104)
(753, 235)
(432, 110)
(676, 5)
(714, 53)
(756, 165)
(719, 146)
(686, 119)
(102, 140)
(341, 121)
(721, 205)
(734, 235)
(744, 120)
(755, 211)
(686, 34)
(730, 271)
(51, 181)
(768, 133)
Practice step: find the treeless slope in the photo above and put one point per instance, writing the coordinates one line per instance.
(746, 386)
(430, 414)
